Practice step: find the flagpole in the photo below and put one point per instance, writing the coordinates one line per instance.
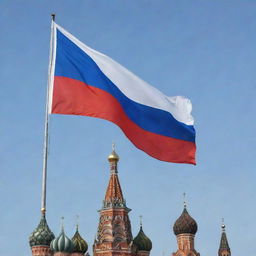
(46, 124)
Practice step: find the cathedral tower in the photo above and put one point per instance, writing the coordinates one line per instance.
(185, 229)
(224, 249)
(114, 235)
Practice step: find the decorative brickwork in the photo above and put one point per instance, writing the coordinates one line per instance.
(62, 254)
(41, 251)
(142, 253)
(186, 245)
(77, 254)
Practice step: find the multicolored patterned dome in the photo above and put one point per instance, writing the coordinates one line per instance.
(142, 242)
(185, 224)
(62, 243)
(79, 243)
(42, 235)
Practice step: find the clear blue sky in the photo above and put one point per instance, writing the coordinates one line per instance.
(202, 49)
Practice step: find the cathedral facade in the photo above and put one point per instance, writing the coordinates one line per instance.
(114, 236)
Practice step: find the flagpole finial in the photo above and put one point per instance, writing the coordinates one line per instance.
(43, 210)
(53, 16)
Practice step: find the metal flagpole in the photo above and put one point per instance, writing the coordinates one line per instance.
(46, 124)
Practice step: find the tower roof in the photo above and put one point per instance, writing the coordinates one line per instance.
(185, 224)
(224, 241)
(114, 190)
(42, 235)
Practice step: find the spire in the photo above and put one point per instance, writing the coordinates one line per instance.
(114, 194)
(224, 248)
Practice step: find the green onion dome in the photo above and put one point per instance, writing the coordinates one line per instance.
(142, 242)
(42, 235)
(185, 224)
(80, 245)
(62, 243)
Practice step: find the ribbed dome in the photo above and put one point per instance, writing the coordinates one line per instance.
(42, 235)
(62, 243)
(185, 224)
(142, 242)
(79, 243)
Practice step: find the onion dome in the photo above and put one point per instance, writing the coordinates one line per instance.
(42, 235)
(62, 243)
(113, 157)
(185, 224)
(142, 242)
(80, 245)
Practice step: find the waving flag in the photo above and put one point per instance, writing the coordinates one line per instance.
(89, 83)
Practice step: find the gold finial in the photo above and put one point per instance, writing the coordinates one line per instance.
(184, 200)
(140, 220)
(113, 157)
(43, 210)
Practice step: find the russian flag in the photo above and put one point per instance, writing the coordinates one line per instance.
(88, 83)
